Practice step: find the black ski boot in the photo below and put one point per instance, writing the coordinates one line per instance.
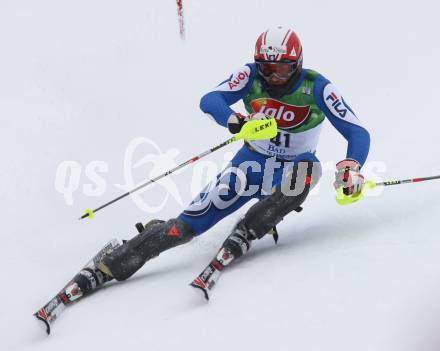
(87, 280)
(91, 278)
(157, 237)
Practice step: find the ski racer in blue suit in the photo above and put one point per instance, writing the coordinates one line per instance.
(278, 173)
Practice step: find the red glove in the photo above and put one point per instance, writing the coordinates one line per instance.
(348, 176)
(237, 120)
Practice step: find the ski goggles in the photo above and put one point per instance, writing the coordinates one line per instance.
(282, 70)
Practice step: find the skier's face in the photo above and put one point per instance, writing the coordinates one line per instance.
(276, 73)
(275, 80)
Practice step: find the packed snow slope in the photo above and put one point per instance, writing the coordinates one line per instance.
(79, 81)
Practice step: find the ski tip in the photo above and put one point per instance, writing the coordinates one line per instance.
(45, 321)
(205, 292)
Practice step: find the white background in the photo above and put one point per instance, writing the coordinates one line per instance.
(79, 80)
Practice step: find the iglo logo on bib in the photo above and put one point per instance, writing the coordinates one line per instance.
(287, 116)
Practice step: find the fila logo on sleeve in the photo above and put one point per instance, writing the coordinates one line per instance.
(337, 106)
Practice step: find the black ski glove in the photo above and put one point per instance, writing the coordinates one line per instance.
(237, 120)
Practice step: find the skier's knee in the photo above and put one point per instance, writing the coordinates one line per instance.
(295, 188)
(292, 193)
(299, 178)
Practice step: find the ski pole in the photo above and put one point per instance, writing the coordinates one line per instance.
(252, 130)
(343, 199)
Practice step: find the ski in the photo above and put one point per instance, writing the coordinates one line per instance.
(235, 246)
(209, 277)
(72, 292)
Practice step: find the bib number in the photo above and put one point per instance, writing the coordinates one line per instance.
(281, 139)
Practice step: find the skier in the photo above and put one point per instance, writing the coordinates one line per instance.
(276, 86)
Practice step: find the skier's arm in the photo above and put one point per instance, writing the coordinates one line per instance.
(342, 117)
(216, 104)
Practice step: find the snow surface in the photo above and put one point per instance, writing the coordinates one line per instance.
(80, 80)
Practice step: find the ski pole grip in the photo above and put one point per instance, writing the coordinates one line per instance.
(344, 200)
(258, 130)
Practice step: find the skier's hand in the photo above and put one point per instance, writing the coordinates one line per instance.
(349, 177)
(237, 120)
